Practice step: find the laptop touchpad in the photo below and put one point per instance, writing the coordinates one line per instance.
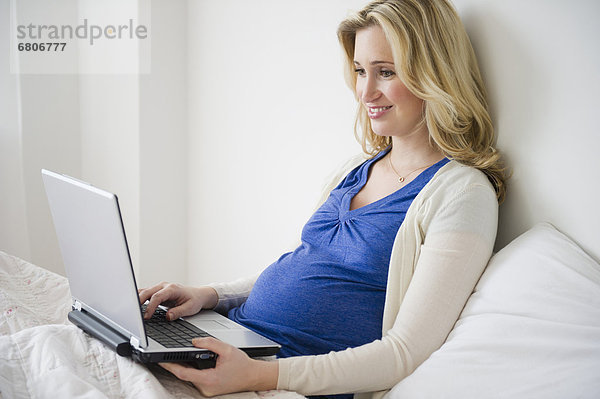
(208, 325)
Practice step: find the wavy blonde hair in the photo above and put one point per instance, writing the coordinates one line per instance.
(434, 59)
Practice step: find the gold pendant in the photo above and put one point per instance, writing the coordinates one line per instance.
(401, 179)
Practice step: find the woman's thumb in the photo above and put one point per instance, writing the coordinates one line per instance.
(210, 343)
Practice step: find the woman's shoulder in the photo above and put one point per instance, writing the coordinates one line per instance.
(455, 196)
(455, 180)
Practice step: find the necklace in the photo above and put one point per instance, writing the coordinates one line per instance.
(400, 177)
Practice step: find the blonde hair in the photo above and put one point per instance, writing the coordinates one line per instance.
(434, 59)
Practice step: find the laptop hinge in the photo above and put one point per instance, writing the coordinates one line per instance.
(88, 323)
(134, 342)
(76, 305)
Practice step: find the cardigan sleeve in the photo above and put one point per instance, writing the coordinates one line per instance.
(458, 244)
(234, 293)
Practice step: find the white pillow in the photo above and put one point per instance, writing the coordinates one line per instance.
(531, 329)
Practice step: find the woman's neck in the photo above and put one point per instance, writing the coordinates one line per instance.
(414, 151)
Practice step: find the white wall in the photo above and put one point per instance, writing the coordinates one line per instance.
(163, 149)
(110, 144)
(50, 137)
(13, 216)
(109, 127)
(40, 122)
(134, 136)
(269, 118)
(540, 61)
(123, 132)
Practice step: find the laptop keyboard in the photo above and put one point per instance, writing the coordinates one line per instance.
(171, 334)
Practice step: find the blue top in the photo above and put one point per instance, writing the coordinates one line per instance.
(329, 293)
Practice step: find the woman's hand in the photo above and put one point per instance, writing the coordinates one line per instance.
(182, 300)
(234, 371)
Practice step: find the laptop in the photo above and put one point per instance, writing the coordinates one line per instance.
(106, 305)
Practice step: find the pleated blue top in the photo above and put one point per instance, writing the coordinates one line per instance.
(329, 293)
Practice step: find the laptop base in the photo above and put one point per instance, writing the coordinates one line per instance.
(119, 344)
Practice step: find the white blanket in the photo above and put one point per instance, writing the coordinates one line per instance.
(43, 355)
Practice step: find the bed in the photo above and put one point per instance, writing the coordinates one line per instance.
(531, 329)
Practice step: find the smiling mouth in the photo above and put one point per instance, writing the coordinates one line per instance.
(376, 112)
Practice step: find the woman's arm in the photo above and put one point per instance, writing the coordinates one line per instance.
(186, 300)
(233, 294)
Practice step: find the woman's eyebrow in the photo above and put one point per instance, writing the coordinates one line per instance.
(377, 62)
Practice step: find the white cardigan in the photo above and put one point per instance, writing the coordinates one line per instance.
(439, 253)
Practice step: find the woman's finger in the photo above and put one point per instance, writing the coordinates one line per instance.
(146, 293)
(157, 298)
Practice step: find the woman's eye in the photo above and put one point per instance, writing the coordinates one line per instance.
(359, 71)
(387, 74)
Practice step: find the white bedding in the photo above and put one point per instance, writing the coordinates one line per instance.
(43, 355)
(530, 330)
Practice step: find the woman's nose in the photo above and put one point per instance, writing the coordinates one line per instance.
(369, 90)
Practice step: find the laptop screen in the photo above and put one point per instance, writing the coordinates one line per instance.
(94, 249)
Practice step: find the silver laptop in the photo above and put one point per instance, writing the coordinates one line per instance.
(94, 248)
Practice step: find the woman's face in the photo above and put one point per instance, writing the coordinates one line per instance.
(392, 108)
